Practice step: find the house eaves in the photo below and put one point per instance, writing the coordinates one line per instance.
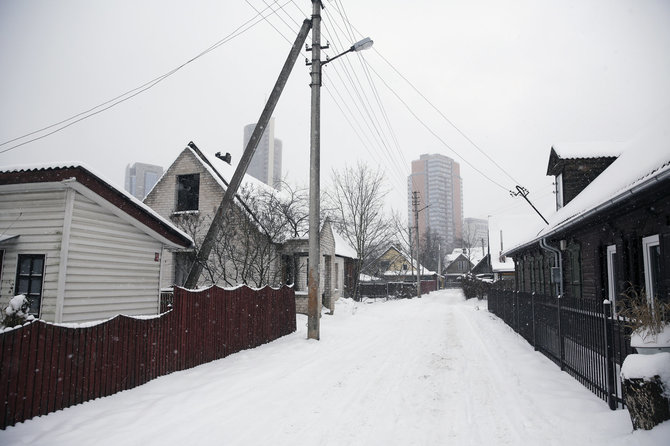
(91, 185)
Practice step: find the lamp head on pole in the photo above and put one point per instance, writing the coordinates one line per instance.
(361, 45)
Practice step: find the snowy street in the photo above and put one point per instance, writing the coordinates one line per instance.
(431, 371)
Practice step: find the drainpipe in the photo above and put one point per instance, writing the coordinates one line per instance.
(558, 259)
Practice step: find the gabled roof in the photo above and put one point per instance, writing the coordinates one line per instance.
(568, 151)
(644, 162)
(413, 263)
(343, 248)
(122, 201)
(222, 172)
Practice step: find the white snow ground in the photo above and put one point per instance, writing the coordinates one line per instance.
(431, 371)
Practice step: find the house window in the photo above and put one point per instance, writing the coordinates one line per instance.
(533, 277)
(651, 251)
(559, 191)
(29, 280)
(575, 266)
(611, 274)
(188, 188)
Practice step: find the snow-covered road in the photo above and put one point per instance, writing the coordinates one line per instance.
(431, 371)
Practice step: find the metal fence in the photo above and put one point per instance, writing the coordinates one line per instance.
(582, 336)
(45, 367)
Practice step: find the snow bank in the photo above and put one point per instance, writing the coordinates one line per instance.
(647, 366)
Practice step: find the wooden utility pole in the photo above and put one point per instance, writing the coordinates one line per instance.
(217, 221)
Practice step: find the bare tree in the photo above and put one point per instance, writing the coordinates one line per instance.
(248, 250)
(357, 198)
(469, 242)
(430, 249)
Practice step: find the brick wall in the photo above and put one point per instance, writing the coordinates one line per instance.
(163, 199)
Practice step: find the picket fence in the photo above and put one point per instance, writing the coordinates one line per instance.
(46, 367)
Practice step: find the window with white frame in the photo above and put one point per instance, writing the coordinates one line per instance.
(559, 191)
(651, 252)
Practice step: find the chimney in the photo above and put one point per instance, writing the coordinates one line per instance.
(225, 157)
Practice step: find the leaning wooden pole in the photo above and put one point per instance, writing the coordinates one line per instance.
(217, 222)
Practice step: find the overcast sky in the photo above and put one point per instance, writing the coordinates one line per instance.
(514, 76)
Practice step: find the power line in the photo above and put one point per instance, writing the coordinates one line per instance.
(435, 134)
(133, 92)
(436, 109)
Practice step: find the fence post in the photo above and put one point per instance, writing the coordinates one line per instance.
(609, 354)
(560, 333)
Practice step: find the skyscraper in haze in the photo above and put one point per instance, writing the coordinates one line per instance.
(437, 179)
(141, 178)
(267, 161)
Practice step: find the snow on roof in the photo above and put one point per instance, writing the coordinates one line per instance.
(343, 248)
(498, 267)
(126, 195)
(570, 150)
(224, 172)
(644, 159)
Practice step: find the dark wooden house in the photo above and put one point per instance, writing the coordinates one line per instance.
(611, 229)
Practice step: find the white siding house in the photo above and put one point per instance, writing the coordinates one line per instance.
(81, 249)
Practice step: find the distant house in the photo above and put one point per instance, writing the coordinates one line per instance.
(395, 265)
(461, 261)
(336, 267)
(78, 247)
(612, 224)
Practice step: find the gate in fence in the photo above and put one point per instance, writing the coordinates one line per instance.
(582, 336)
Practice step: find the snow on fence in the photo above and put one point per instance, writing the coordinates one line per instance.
(582, 336)
(46, 367)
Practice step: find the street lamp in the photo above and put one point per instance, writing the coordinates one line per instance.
(361, 45)
(313, 298)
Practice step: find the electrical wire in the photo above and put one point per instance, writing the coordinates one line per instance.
(450, 122)
(133, 92)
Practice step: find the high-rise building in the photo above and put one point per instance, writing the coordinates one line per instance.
(266, 162)
(475, 233)
(141, 178)
(437, 181)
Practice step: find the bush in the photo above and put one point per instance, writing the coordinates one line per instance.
(473, 287)
(642, 315)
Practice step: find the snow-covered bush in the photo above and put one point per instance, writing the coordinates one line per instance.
(16, 313)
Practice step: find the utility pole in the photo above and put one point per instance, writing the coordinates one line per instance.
(217, 221)
(415, 204)
(313, 298)
(439, 265)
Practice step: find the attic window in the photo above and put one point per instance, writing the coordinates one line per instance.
(188, 191)
(559, 191)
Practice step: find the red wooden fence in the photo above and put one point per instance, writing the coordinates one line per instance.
(428, 286)
(44, 367)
